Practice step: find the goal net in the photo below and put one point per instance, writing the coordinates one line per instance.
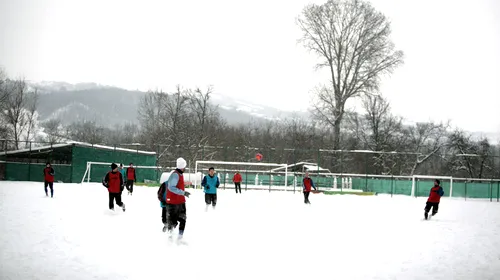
(254, 175)
(421, 184)
(95, 171)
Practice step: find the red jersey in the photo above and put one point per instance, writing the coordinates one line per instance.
(48, 174)
(237, 178)
(435, 194)
(173, 198)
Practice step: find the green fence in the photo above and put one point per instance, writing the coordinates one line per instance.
(34, 172)
(82, 155)
(387, 185)
(98, 172)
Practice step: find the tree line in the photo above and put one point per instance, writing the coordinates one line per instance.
(352, 42)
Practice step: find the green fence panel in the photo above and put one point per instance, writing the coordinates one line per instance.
(82, 155)
(458, 189)
(17, 171)
(478, 190)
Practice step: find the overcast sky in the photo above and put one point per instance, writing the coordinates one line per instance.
(248, 49)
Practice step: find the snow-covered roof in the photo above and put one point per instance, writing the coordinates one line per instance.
(80, 144)
(307, 165)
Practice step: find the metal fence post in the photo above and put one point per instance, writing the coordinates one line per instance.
(465, 190)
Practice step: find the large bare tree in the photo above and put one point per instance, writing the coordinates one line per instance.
(352, 40)
(378, 130)
(19, 112)
(473, 157)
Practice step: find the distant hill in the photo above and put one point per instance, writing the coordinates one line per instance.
(111, 105)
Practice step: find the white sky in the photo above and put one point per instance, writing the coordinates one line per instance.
(249, 50)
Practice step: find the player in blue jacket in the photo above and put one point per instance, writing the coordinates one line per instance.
(210, 183)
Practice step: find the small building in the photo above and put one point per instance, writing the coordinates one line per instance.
(69, 161)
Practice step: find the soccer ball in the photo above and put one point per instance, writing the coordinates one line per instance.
(258, 157)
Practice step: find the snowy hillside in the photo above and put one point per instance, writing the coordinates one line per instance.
(111, 105)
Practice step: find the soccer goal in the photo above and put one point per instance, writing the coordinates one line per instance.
(417, 189)
(95, 171)
(255, 175)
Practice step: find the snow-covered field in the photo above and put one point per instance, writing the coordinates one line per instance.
(255, 235)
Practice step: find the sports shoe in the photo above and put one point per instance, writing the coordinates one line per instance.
(123, 207)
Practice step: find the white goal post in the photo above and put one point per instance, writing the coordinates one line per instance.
(416, 177)
(284, 165)
(88, 170)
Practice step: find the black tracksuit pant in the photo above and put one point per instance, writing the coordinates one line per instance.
(130, 186)
(51, 185)
(237, 186)
(306, 197)
(113, 197)
(173, 215)
(433, 205)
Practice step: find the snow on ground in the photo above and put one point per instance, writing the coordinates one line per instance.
(255, 235)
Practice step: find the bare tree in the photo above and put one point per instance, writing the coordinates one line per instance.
(164, 119)
(474, 157)
(4, 93)
(426, 140)
(20, 109)
(378, 130)
(53, 130)
(87, 131)
(31, 116)
(352, 39)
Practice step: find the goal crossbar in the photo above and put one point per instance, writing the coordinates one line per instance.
(414, 177)
(284, 165)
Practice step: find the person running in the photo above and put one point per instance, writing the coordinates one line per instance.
(173, 204)
(210, 183)
(307, 185)
(113, 181)
(434, 198)
(131, 178)
(122, 171)
(237, 181)
(48, 178)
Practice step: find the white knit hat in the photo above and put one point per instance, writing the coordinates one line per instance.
(181, 163)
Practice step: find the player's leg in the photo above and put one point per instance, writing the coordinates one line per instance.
(239, 187)
(51, 185)
(236, 187)
(164, 218)
(131, 186)
(46, 184)
(207, 201)
(182, 217)
(427, 208)
(435, 207)
(305, 197)
(128, 185)
(214, 200)
(111, 204)
(172, 217)
(119, 202)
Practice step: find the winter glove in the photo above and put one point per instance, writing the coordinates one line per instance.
(187, 194)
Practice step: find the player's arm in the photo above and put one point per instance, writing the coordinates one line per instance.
(218, 182)
(312, 184)
(172, 184)
(52, 172)
(204, 182)
(105, 180)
